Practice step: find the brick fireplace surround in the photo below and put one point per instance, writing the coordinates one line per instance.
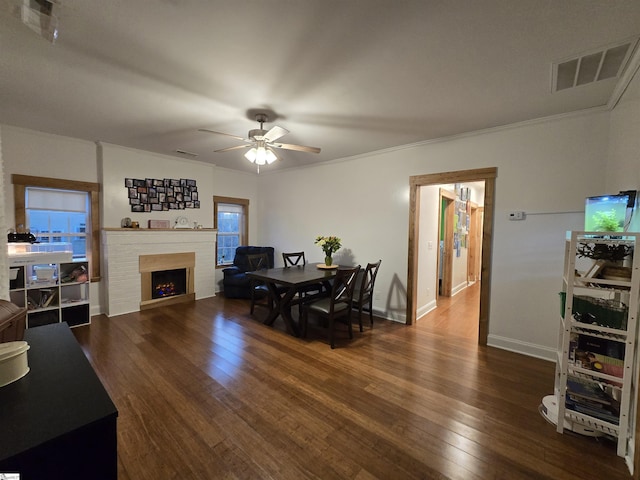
(123, 247)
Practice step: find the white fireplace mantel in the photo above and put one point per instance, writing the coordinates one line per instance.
(122, 248)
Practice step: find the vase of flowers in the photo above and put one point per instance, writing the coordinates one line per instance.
(329, 246)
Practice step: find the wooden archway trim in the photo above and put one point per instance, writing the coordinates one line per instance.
(488, 175)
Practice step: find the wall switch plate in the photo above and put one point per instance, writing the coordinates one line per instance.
(517, 215)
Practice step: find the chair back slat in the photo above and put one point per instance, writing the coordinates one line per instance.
(343, 286)
(364, 291)
(369, 278)
(258, 261)
(292, 259)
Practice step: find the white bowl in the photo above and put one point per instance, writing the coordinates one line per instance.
(13, 361)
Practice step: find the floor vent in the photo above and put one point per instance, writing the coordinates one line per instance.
(593, 66)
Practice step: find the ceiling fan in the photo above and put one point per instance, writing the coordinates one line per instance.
(262, 142)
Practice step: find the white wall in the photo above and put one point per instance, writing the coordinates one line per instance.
(119, 163)
(545, 168)
(27, 152)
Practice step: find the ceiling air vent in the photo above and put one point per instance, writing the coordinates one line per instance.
(41, 17)
(593, 66)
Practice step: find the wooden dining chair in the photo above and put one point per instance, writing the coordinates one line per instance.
(291, 259)
(363, 292)
(337, 306)
(297, 259)
(259, 290)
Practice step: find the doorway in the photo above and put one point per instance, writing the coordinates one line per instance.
(488, 175)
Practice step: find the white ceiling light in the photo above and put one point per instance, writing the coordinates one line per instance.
(261, 155)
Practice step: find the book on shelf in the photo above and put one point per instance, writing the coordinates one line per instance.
(48, 298)
(588, 392)
(592, 398)
(601, 414)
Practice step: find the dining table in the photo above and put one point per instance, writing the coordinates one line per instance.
(283, 284)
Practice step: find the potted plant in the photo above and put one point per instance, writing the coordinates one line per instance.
(329, 246)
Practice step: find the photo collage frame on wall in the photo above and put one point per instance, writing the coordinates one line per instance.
(158, 195)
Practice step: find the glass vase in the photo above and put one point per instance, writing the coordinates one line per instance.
(328, 261)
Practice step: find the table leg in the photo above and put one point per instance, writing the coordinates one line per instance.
(282, 306)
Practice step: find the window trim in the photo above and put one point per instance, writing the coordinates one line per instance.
(20, 182)
(244, 235)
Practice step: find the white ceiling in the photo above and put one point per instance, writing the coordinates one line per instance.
(349, 76)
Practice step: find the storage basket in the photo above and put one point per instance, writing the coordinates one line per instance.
(600, 311)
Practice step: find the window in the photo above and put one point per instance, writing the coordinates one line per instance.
(58, 216)
(74, 217)
(231, 219)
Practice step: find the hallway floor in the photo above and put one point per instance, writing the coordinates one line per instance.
(457, 315)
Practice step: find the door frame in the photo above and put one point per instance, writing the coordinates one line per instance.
(475, 243)
(488, 175)
(447, 212)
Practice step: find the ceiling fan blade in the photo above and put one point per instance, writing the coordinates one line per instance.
(220, 133)
(237, 147)
(299, 148)
(275, 133)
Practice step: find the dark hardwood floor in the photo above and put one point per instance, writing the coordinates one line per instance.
(206, 391)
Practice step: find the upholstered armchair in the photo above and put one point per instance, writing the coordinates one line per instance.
(235, 282)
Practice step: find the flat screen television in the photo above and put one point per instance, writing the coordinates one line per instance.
(607, 213)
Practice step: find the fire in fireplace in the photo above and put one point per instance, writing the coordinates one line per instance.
(167, 283)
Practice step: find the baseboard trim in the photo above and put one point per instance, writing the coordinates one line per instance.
(524, 348)
(422, 311)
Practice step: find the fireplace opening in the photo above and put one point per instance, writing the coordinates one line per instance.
(168, 283)
(166, 278)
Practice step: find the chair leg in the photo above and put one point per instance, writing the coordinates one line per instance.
(360, 316)
(303, 324)
(300, 301)
(371, 310)
(349, 324)
(331, 339)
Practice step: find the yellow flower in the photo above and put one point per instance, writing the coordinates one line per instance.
(329, 244)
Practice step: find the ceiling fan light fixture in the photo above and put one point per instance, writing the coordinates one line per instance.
(260, 142)
(261, 155)
(271, 157)
(251, 155)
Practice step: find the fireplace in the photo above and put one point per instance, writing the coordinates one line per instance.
(122, 249)
(166, 279)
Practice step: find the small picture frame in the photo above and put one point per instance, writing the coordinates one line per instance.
(159, 224)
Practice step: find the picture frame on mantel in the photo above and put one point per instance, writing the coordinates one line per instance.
(159, 224)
